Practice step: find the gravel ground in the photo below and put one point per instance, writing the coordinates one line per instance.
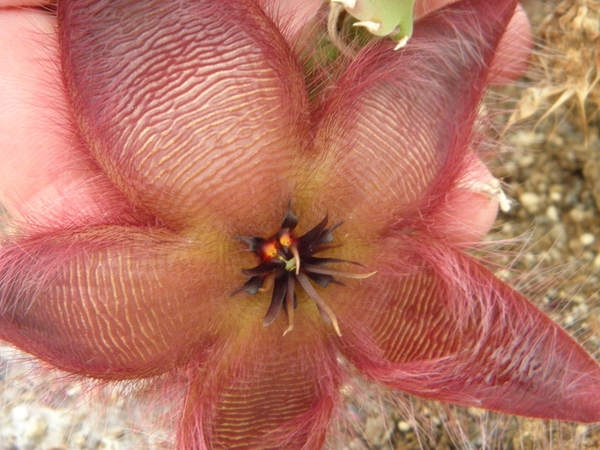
(551, 169)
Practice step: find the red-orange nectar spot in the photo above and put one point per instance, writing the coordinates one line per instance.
(286, 239)
(286, 260)
(269, 250)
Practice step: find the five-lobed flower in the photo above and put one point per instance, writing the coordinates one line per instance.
(202, 127)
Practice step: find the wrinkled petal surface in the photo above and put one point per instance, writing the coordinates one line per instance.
(186, 103)
(398, 126)
(264, 391)
(113, 302)
(435, 323)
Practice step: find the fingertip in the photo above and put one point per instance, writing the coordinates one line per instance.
(292, 15)
(42, 174)
(514, 50)
(473, 215)
(472, 207)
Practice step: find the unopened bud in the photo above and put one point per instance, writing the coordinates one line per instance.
(392, 18)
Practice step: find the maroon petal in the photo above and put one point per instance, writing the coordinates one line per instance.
(398, 125)
(113, 302)
(193, 108)
(263, 390)
(434, 323)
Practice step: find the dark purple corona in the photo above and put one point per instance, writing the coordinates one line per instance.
(286, 259)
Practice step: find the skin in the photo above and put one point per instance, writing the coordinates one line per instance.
(40, 166)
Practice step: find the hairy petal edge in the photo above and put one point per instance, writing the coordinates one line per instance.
(436, 324)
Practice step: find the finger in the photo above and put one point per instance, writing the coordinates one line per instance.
(291, 15)
(39, 163)
(16, 3)
(513, 53)
(471, 210)
(514, 49)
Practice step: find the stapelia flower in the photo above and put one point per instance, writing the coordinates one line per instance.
(217, 171)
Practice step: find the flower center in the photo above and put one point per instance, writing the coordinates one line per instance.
(287, 260)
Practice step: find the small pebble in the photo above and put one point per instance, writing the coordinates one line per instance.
(530, 201)
(587, 239)
(577, 214)
(377, 430)
(503, 274)
(404, 427)
(20, 413)
(552, 213)
(526, 161)
(476, 412)
(569, 320)
(556, 193)
(35, 430)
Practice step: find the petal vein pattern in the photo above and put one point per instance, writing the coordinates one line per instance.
(397, 137)
(201, 127)
(108, 310)
(441, 326)
(265, 392)
(178, 102)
